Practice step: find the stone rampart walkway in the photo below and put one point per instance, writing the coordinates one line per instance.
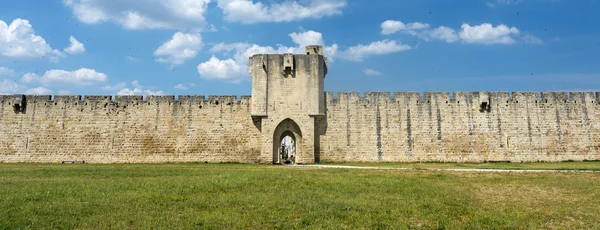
(450, 169)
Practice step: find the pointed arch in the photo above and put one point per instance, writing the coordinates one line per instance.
(287, 127)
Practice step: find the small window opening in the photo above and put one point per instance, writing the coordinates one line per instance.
(484, 107)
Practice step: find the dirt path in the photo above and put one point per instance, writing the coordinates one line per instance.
(455, 170)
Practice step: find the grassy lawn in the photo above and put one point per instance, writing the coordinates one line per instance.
(577, 165)
(233, 196)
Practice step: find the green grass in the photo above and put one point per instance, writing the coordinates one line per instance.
(569, 165)
(234, 196)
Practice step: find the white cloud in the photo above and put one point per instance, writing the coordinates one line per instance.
(360, 52)
(487, 34)
(18, 40)
(80, 77)
(371, 72)
(528, 38)
(10, 87)
(443, 33)
(39, 91)
(4, 71)
(181, 87)
(484, 33)
(307, 38)
(225, 70)
(180, 48)
(391, 26)
(139, 90)
(115, 87)
(247, 11)
(141, 14)
(76, 47)
(235, 69)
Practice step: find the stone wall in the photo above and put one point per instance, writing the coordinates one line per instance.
(475, 127)
(128, 129)
(377, 127)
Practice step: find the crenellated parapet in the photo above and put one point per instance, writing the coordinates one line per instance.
(463, 97)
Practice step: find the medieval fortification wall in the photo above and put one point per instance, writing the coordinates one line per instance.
(464, 127)
(479, 126)
(128, 129)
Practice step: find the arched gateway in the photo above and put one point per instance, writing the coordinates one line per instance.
(288, 99)
(285, 153)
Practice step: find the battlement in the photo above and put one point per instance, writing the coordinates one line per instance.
(61, 99)
(463, 97)
(331, 98)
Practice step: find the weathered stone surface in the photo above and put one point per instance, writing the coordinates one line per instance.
(288, 97)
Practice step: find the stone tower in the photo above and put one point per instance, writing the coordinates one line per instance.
(288, 100)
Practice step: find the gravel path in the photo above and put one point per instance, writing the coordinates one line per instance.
(455, 170)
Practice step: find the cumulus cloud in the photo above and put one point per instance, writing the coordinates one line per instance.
(13, 87)
(371, 72)
(248, 11)
(391, 26)
(225, 70)
(10, 87)
(484, 33)
(180, 48)
(360, 52)
(39, 91)
(4, 71)
(18, 40)
(139, 90)
(235, 69)
(442, 33)
(141, 14)
(76, 47)
(80, 77)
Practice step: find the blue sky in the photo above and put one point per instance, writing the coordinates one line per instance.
(181, 47)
